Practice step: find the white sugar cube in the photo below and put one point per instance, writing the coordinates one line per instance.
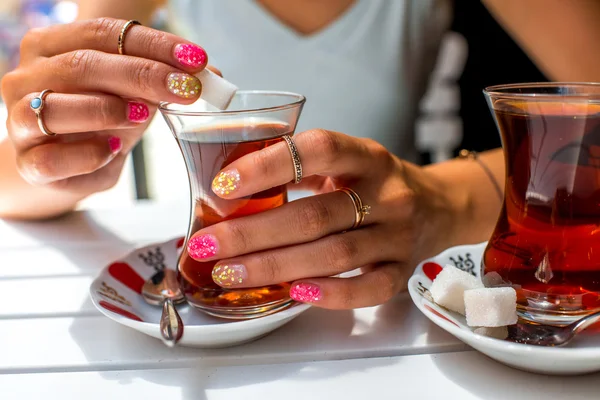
(491, 307)
(216, 91)
(449, 286)
(498, 332)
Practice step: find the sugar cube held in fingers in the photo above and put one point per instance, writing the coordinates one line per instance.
(449, 286)
(216, 91)
(491, 307)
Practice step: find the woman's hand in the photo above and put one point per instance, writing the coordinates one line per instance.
(309, 241)
(102, 101)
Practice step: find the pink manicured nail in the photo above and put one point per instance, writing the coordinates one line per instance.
(137, 112)
(203, 246)
(190, 55)
(305, 292)
(115, 144)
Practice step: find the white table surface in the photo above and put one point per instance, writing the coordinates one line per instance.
(55, 345)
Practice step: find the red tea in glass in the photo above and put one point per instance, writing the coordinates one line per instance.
(545, 243)
(209, 141)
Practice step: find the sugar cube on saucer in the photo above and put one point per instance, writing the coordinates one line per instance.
(216, 91)
(498, 332)
(491, 307)
(449, 286)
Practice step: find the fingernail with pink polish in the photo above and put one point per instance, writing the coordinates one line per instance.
(137, 112)
(305, 292)
(203, 246)
(229, 274)
(115, 144)
(190, 55)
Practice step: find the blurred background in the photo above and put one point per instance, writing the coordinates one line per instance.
(476, 53)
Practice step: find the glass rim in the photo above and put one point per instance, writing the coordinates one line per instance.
(299, 100)
(510, 90)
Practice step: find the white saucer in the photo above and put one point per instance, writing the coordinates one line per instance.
(582, 356)
(116, 293)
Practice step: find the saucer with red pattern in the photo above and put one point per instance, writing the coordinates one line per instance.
(581, 356)
(116, 292)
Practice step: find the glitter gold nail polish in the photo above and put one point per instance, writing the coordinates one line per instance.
(229, 274)
(226, 182)
(184, 85)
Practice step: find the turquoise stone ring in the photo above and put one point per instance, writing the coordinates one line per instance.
(37, 104)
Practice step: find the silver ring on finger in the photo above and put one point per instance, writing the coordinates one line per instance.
(37, 105)
(361, 210)
(295, 158)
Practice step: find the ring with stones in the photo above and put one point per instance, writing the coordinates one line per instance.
(295, 158)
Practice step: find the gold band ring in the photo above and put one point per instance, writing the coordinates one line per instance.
(295, 158)
(361, 209)
(37, 105)
(124, 31)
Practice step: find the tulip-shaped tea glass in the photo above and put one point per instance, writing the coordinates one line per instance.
(210, 140)
(546, 243)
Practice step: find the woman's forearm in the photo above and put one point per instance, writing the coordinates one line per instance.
(472, 193)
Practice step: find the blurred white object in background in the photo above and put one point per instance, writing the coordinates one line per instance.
(65, 12)
(439, 130)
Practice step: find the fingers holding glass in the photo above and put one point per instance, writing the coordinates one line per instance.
(372, 288)
(319, 152)
(300, 221)
(329, 256)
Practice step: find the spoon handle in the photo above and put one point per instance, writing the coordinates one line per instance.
(584, 323)
(171, 326)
